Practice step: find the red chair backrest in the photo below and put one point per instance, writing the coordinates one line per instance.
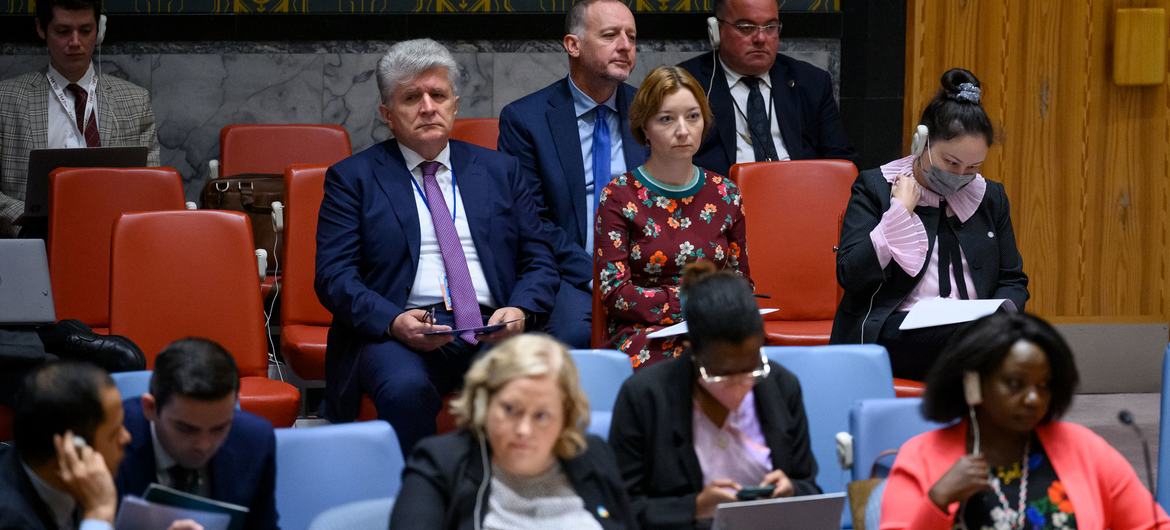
(263, 148)
(483, 132)
(599, 332)
(793, 212)
(188, 274)
(83, 205)
(304, 187)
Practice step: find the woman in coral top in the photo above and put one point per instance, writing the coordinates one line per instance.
(1009, 464)
(661, 216)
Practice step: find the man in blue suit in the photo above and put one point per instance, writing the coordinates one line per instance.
(416, 236)
(564, 154)
(767, 106)
(187, 434)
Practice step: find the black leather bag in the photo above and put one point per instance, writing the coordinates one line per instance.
(253, 194)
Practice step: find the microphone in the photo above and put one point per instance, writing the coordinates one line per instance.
(1126, 418)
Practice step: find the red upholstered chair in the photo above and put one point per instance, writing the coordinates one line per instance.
(83, 205)
(483, 132)
(270, 148)
(193, 273)
(304, 321)
(599, 336)
(794, 211)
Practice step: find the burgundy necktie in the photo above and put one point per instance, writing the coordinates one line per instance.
(80, 96)
(463, 298)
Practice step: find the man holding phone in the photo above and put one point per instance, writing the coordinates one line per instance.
(68, 435)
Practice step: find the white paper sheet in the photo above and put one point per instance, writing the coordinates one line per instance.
(942, 311)
(681, 327)
(138, 514)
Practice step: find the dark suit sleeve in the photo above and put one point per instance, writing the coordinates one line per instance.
(630, 435)
(263, 511)
(338, 281)
(858, 269)
(1012, 283)
(516, 140)
(606, 464)
(803, 469)
(537, 281)
(423, 500)
(830, 138)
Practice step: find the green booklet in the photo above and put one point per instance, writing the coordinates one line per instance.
(159, 494)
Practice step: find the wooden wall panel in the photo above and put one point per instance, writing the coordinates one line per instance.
(1085, 163)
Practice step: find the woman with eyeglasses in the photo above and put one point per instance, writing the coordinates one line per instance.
(693, 432)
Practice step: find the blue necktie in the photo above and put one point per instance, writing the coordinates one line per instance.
(601, 143)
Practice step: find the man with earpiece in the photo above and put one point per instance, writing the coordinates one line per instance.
(767, 106)
(567, 155)
(69, 104)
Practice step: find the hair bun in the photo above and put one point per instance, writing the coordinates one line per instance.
(695, 272)
(959, 84)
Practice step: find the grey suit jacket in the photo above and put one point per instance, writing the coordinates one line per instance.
(125, 119)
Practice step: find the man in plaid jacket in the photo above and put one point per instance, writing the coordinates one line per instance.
(66, 104)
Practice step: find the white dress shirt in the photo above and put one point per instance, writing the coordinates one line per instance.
(426, 290)
(62, 127)
(739, 97)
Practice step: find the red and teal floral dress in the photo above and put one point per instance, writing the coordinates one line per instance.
(1046, 504)
(646, 232)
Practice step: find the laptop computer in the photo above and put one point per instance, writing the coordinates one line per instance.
(26, 296)
(810, 512)
(41, 162)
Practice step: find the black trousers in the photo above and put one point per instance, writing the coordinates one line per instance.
(913, 351)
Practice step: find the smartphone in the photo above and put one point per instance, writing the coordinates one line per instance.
(754, 492)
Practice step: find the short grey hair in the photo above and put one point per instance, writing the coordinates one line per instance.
(575, 19)
(408, 59)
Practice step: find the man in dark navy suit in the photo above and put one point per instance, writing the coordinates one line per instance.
(767, 106)
(68, 436)
(420, 235)
(565, 156)
(187, 434)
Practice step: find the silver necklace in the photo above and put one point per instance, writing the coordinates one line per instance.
(1018, 517)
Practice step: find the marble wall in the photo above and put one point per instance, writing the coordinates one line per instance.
(197, 88)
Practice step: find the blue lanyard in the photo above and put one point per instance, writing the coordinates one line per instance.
(454, 198)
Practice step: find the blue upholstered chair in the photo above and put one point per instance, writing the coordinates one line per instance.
(360, 515)
(1164, 437)
(132, 384)
(877, 425)
(318, 468)
(832, 379)
(602, 373)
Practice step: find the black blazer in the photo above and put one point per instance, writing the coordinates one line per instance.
(987, 240)
(20, 506)
(652, 436)
(803, 102)
(444, 473)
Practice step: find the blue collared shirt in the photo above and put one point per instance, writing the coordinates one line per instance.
(583, 106)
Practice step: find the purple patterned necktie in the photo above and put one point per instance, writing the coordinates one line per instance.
(463, 297)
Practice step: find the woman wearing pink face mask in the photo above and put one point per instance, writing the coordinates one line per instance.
(690, 433)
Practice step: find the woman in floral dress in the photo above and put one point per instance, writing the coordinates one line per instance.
(662, 215)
